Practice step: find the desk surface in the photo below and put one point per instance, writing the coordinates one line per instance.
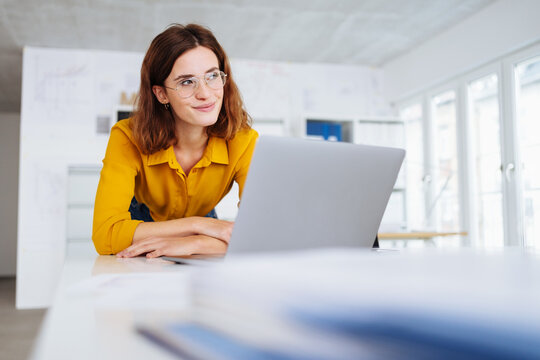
(90, 320)
(101, 298)
(418, 235)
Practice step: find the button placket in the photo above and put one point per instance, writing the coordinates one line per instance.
(190, 182)
(183, 194)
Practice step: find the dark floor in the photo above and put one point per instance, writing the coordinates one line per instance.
(18, 328)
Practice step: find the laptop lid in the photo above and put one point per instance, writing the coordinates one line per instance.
(302, 194)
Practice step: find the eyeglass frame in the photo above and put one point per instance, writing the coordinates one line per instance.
(222, 74)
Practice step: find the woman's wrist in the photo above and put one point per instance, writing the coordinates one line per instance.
(194, 224)
(208, 245)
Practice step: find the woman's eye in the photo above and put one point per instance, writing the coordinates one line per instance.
(212, 76)
(187, 82)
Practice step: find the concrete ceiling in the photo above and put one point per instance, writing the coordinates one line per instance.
(366, 32)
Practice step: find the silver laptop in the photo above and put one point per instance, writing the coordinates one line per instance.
(303, 194)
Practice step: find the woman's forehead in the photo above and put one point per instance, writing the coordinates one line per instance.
(196, 61)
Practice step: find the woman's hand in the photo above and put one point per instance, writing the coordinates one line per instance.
(189, 245)
(219, 229)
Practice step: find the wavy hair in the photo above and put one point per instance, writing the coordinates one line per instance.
(152, 124)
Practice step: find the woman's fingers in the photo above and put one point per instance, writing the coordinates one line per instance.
(140, 248)
(159, 247)
(135, 250)
(154, 254)
(196, 244)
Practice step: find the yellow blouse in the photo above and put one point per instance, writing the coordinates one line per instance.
(158, 181)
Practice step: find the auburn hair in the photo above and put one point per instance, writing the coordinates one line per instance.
(152, 124)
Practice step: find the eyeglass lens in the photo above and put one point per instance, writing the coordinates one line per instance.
(214, 80)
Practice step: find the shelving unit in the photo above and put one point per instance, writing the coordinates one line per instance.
(353, 127)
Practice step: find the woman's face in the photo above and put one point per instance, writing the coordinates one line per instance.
(202, 108)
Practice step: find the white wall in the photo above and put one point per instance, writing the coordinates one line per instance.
(9, 175)
(291, 90)
(500, 28)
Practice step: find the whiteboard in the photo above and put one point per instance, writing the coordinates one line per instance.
(64, 92)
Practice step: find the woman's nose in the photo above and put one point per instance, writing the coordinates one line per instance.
(203, 90)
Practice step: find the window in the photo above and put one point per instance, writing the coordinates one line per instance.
(443, 210)
(387, 132)
(485, 154)
(527, 77)
(414, 167)
(482, 145)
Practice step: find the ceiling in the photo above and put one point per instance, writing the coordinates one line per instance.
(366, 32)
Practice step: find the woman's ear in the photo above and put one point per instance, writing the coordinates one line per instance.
(161, 94)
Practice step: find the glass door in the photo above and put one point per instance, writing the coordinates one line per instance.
(444, 209)
(527, 113)
(485, 155)
(414, 167)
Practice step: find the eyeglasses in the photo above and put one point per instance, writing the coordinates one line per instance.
(187, 87)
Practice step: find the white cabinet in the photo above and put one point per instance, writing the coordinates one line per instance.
(82, 185)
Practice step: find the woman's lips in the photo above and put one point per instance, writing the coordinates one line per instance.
(205, 108)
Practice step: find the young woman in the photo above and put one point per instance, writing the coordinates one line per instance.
(168, 166)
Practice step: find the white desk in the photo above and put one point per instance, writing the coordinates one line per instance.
(84, 322)
(94, 314)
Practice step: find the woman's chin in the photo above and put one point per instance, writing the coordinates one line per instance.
(204, 120)
(208, 122)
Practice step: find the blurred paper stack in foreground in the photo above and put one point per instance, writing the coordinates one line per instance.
(358, 304)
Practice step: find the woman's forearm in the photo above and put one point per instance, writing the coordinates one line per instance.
(207, 245)
(195, 225)
(162, 229)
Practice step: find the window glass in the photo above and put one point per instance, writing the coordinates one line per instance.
(528, 125)
(443, 208)
(414, 167)
(486, 151)
(387, 133)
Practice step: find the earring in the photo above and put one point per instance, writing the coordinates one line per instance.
(166, 106)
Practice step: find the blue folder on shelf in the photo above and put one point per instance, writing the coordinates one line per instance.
(326, 130)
